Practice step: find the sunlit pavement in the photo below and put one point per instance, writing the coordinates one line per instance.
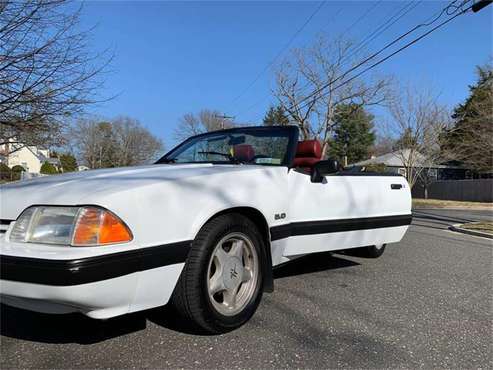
(425, 303)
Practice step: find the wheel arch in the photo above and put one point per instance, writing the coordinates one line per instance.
(260, 221)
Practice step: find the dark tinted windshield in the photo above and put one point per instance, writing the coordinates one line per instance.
(272, 146)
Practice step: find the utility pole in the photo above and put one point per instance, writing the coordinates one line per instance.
(346, 144)
(224, 117)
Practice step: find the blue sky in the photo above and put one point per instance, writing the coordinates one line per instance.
(177, 57)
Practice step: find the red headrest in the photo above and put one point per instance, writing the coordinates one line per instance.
(309, 149)
(243, 152)
(305, 162)
(308, 153)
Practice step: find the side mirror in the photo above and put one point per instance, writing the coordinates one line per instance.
(324, 168)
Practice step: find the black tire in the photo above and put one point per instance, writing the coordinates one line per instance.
(190, 297)
(372, 251)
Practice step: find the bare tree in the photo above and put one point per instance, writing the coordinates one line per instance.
(418, 121)
(91, 139)
(116, 143)
(384, 144)
(134, 143)
(206, 120)
(46, 70)
(321, 69)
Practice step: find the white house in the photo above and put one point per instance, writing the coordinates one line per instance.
(29, 157)
(395, 162)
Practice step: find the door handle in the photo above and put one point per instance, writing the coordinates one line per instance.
(396, 186)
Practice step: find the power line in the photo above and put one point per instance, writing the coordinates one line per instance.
(360, 45)
(477, 6)
(360, 18)
(268, 95)
(398, 51)
(384, 27)
(395, 17)
(266, 68)
(364, 15)
(388, 45)
(449, 9)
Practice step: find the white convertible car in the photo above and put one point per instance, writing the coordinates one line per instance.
(202, 228)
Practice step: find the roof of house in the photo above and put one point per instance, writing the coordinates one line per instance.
(42, 158)
(393, 159)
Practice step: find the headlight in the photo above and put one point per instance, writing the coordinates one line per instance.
(76, 226)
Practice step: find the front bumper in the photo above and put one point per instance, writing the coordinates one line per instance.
(100, 300)
(99, 286)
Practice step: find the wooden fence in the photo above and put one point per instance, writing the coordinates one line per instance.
(477, 190)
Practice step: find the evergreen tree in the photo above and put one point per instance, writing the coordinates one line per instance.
(276, 116)
(353, 135)
(68, 162)
(48, 169)
(470, 141)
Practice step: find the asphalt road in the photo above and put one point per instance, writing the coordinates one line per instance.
(427, 302)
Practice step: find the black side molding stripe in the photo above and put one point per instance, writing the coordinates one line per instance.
(91, 269)
(333, 226)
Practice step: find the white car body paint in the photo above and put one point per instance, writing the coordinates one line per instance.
(169, 203)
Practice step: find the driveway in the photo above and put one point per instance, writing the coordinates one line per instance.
(425, 303)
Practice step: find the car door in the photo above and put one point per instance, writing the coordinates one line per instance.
(344, 211)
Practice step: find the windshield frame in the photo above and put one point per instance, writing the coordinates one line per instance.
(293, 134)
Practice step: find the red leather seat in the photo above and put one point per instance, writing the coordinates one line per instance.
(243, 152)
(308, 153)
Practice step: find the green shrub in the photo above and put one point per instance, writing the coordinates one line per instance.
(16, 172)
(5, 172)
(48, 169)
(375, 167)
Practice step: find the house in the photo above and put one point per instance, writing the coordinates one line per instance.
(394, 163)
(31, 158)
(446, 181)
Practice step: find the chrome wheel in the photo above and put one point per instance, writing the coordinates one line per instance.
(232, 274)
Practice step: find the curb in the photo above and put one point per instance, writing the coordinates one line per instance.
(459, 229)
(456, 208)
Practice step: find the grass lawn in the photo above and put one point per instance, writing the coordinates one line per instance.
(437, 203)
(485, 227)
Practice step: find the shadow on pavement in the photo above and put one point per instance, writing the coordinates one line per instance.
(67, 328)
(311, 263)
(435, 217)
(432, 225)
(77, 328)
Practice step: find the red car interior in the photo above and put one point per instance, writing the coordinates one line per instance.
(243, 152)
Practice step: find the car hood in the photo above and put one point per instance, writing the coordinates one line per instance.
(89, 187)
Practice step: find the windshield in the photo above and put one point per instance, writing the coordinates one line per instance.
(272, 146)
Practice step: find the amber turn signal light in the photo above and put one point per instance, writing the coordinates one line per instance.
(97, 226)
